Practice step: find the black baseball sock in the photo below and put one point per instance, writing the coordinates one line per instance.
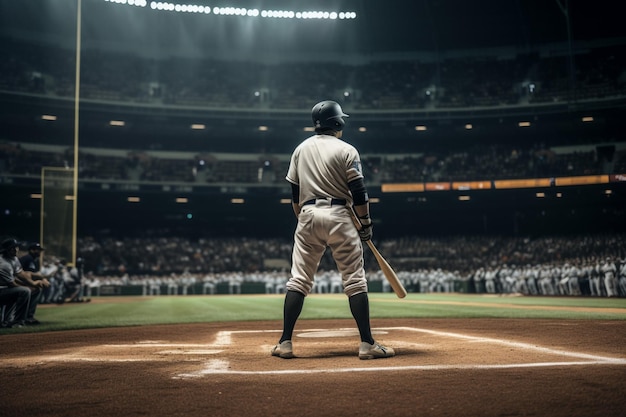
(360, 308)
(291, 311)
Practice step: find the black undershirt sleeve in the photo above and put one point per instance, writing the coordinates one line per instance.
(295, 193)
(359, 192)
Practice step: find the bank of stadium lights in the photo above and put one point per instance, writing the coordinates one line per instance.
(236, 11)
(137, 3)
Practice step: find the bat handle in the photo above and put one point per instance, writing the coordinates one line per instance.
(356, 221)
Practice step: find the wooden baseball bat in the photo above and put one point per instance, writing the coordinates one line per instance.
(387, 270)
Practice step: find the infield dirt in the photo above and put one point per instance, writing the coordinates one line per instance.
(443, 367)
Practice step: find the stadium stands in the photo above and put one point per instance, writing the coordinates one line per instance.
(482, 80)
(493, 162)
(534, 84)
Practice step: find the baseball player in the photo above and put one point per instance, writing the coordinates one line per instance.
(30, 263)
(13, 294)
(326, 183)
(610, 281)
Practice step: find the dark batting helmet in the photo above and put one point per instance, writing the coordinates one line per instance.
(327, 115)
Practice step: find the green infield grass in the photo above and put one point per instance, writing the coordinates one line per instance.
(140, 311)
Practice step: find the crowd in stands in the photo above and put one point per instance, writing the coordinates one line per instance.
(455, 82)
(479, 162)
(481, 80)
(592, 265)
(482, 264)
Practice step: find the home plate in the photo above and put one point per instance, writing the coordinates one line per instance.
(336, 333)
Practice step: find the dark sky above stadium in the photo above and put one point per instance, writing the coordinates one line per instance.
(390, 26)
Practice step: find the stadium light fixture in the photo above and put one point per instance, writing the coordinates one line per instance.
(469, 126)
(133, 199)
(182, 200)
(420, 128)
(49, 117)
(237, 11)
(587, 119)
(523, 124)
(198, 126)
(117, 123)
(136, 3)
(237, 200)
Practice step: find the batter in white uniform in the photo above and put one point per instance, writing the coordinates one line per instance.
(327, 182)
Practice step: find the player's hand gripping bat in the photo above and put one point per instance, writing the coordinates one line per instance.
(388, 271)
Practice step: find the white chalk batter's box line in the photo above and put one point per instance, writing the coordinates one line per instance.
(223, 338)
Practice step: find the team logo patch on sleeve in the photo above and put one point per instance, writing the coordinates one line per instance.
(356, 165)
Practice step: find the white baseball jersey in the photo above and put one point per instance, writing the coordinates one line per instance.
(323, 166)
